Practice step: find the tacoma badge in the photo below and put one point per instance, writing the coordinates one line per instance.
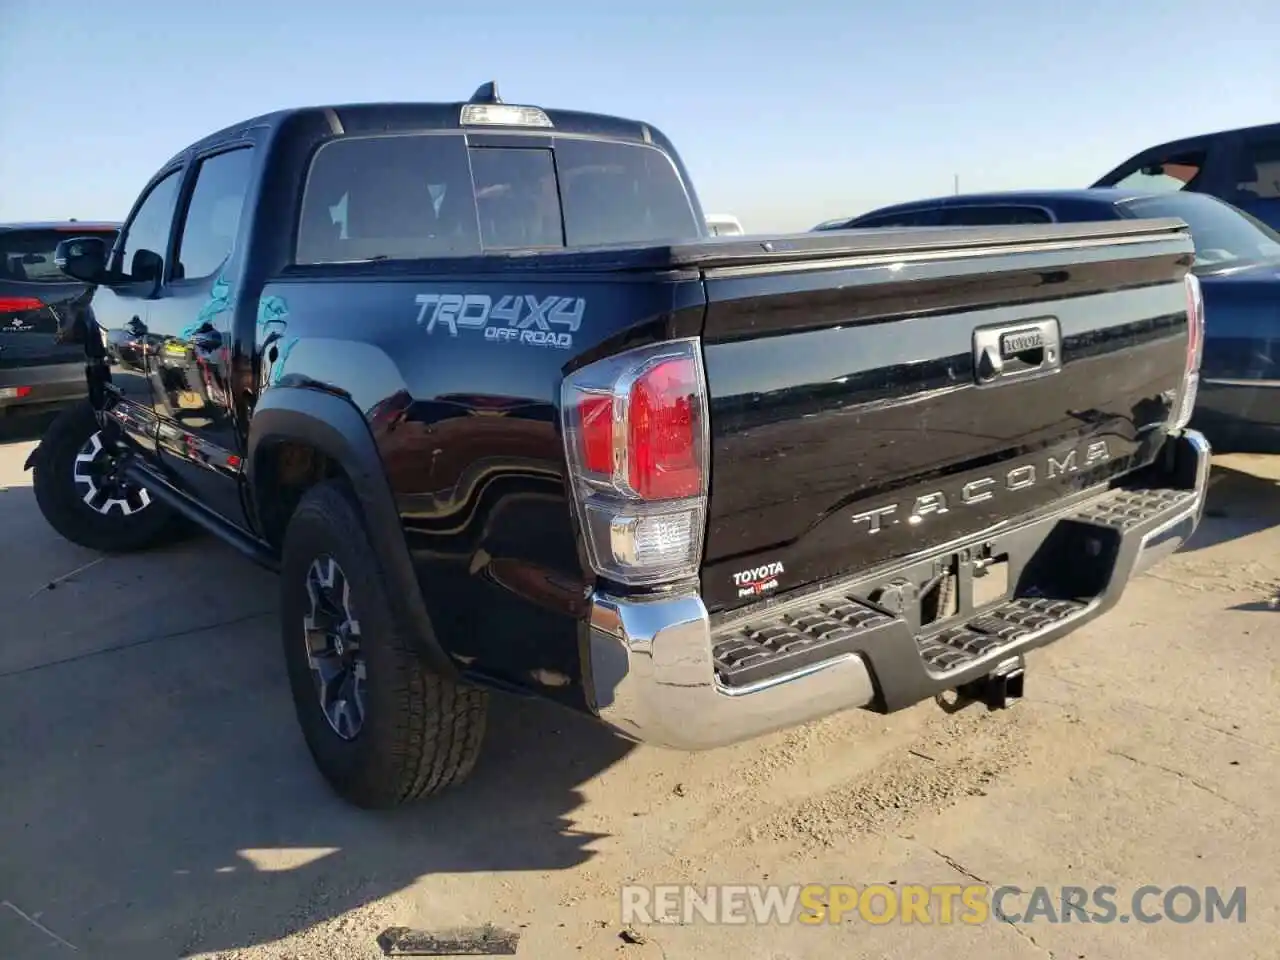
(984, 488)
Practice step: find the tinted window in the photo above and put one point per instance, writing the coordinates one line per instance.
(213, 215)
(149, 229)
(1260, 178)
(902, 218)
(405, 197)
(516, 198)
(1223, 235)
(621, 193)
(992, 216)
(399, 197)
(1176, 172)
(26, 256)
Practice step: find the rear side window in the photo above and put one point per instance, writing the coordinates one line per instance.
(420, 196)
(993, 216)
(26, 256)
(398, 197)
(1260, 178)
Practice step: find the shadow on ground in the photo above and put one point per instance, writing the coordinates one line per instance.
(158, 798)
(1259, 606)
(16, 427)
(1239, 504)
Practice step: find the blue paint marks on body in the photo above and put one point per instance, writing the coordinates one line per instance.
(271, 308)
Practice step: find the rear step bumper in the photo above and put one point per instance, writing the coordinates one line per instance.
(661, 672)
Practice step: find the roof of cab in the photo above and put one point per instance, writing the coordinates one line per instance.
(407, 117)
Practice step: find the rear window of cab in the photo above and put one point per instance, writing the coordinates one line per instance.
(412, 196)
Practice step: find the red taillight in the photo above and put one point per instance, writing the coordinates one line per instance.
(596, 415)
(14, 393)
(635, 438)
(20, 304)
(662, 443)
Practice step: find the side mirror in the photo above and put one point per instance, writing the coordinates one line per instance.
(147, 267)
(82, 258)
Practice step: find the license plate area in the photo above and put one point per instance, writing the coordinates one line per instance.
(956, 586)
(991, 582)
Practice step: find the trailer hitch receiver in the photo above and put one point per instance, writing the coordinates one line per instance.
(999, 689)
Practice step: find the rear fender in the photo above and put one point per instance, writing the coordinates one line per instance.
(333, 425)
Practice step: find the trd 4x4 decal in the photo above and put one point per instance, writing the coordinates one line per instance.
(515, 318)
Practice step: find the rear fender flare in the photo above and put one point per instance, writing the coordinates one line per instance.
(334, 426)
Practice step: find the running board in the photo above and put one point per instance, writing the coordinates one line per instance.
(162, 490)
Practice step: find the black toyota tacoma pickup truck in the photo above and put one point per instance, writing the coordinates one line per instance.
(473, 380)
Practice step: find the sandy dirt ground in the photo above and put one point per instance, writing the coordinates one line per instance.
(156, 799)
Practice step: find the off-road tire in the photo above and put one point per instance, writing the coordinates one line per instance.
(61, 499)
(421, 732)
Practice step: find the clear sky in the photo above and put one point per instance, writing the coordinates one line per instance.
(786, 113)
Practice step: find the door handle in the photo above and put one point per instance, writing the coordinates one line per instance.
(273, 330)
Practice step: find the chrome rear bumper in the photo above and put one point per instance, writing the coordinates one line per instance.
(652, 669)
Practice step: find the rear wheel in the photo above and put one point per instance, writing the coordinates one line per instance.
(382, 728)
(83, 494)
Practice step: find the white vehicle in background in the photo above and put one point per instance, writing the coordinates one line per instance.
(723, 225)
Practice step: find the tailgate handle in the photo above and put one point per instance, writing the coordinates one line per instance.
(1013, 351)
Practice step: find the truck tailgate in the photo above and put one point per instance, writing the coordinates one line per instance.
(884, 402)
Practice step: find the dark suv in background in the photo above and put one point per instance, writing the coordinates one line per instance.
(39, 306)
(1239, 166)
